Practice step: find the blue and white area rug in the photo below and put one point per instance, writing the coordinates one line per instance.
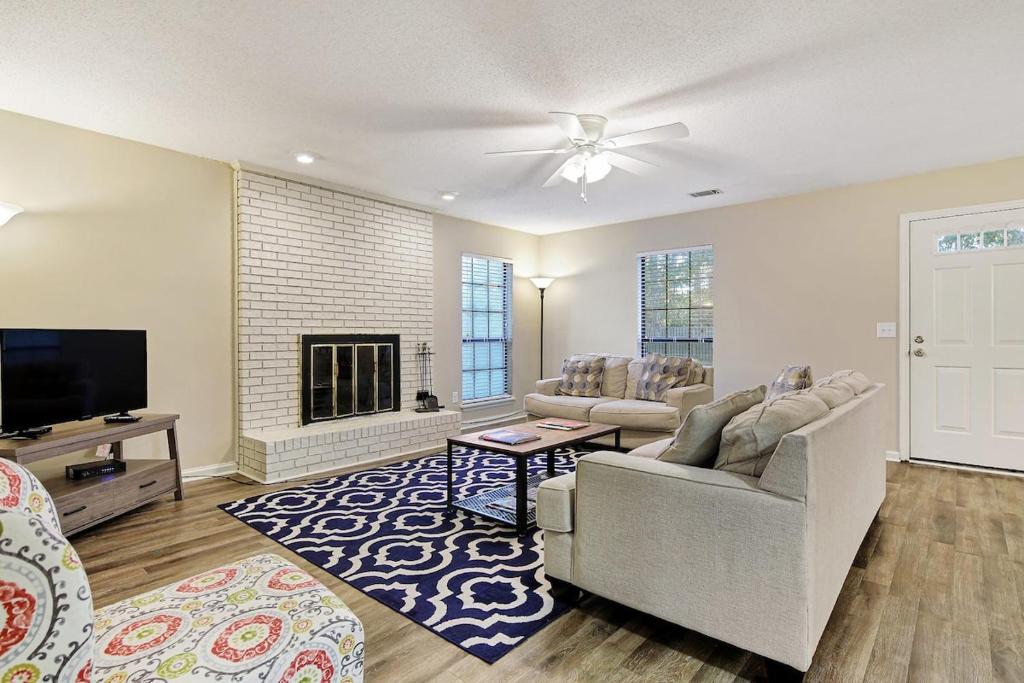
(386, 531)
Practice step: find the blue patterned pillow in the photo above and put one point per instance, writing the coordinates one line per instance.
(791, 378)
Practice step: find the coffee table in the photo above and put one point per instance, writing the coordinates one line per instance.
(550, 440)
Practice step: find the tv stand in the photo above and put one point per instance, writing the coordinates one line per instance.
(33, 433)
(121, 418)
(87, 502)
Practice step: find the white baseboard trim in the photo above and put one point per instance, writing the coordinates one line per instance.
(221, 469)
(893, 456)
(480, 422)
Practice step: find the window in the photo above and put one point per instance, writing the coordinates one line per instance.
(486, 327)
(676, 311)
(1006, 236)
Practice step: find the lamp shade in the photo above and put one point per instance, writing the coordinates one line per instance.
(8, 211)
(542, 282)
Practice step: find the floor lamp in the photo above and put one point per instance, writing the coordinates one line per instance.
(542, 283)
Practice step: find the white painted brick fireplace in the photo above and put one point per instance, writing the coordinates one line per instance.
(313, 260)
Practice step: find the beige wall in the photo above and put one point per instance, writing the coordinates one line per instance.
(452, 238)
(118, 234)
(801, 279)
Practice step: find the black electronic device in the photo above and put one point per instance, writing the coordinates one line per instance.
(88, 470)
(53, 376)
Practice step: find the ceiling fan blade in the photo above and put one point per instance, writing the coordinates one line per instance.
(630, 164)
(649, 135)
(556, 177)
(570, 125)
(528, 151)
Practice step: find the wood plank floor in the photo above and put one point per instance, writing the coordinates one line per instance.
(935, 594)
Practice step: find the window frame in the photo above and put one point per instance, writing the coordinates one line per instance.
(507, 332)
(641, 309)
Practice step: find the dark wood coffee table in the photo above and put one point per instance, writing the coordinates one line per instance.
(550, 440)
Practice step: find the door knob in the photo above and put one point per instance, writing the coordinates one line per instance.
(919, 353)
(919, 339)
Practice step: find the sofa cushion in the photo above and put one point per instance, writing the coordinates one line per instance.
(568, 407)
(834, 392)
(253, 620)
(857, 381)
(750, 438)
(696, 442)
(790, 378)
(649, 416)
(653, 449)
(661, 373)
(613, 383)
(581, 377)
(633, 372)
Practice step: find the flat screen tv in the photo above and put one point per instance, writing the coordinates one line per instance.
(52, 376)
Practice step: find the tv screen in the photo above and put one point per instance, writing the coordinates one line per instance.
(52, 376)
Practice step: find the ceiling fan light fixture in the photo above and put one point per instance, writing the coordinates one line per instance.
(597, 168)
(574, 169)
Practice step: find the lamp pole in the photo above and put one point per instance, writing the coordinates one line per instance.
(542, 283)
(542, 332)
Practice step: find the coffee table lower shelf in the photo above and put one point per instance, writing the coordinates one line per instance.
(479, 504)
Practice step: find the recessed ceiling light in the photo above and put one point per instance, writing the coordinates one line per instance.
(305, 157)
(449, 196)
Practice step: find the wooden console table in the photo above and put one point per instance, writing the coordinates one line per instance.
(82, 504)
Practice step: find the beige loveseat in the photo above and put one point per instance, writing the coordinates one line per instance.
(642, 421)
(755, 561)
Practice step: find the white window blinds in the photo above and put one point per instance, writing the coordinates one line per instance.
(676, 308)
(486, 327)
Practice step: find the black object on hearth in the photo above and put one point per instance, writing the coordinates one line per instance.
(428, 403)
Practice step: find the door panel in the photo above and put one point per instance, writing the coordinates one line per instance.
(1007, 291)
(967, 372)
(953, 399)
(953, 305)
(1008, 397)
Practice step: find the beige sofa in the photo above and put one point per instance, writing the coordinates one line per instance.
(756, 562)
(642, 421)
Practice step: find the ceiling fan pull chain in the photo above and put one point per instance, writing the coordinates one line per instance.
(583, 185)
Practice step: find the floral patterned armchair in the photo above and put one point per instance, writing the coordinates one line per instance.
(261, 619)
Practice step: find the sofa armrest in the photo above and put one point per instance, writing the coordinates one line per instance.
(685, 399)
(556, 503)
(548, 386)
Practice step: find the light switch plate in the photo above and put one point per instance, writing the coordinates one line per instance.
(886, 330)
(455, 397)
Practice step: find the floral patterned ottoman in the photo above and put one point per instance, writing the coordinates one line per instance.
(262, 619)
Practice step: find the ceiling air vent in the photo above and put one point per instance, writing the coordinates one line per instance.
(705, 193)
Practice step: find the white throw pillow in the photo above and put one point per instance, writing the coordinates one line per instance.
(696, 441)
(857, 381)
(750, 438)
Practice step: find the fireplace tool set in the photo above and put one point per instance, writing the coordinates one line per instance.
(425, 396)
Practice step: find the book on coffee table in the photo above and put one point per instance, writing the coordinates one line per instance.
(563, 425)
(509, 436)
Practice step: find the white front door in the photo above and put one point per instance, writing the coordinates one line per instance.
(967, 339)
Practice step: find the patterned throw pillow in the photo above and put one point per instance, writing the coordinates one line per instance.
(792, 378)
(661, 373)
(581, 377)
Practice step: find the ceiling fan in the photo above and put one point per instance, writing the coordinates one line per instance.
(593, 156)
